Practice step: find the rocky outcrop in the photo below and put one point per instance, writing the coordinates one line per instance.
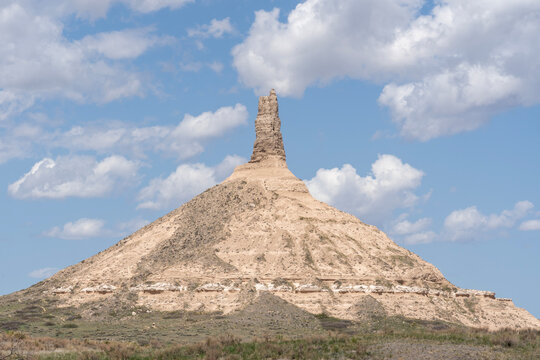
(472, 292)
(260, 232)
(62, 290)
(100, 289)
(157, 288)
(336, 287)
(216, 287)
(269, 141)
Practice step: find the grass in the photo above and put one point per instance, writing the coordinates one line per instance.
(505, 344)
(226, 347)
(40, 330)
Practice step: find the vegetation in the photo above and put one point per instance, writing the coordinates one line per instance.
(497, 345)
(269, 329)
(338, 339)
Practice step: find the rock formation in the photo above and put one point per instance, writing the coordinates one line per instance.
(260, 231)
(268, 142)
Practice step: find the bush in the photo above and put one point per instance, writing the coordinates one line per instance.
(70, 326)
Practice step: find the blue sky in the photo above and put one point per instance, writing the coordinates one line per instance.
(421, 118)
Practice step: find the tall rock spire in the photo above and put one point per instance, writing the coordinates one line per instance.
(269, 142)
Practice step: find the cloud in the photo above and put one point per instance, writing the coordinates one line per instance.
(469, 223)
(423, 237)
(530, 225)
(43, 273)
(320, 41)
(74, 176)
(216, 29)
(94, 9)
(227, 166)
(216, 66)
(406, 227)
(114, 137)
(16, 143)
(38, 62)
(211, 124)
(464, 224)
(373, 197)
(455, 101)
(184, 140)
(86, 228)
(196, 66)
(125, 44)
(13, 102)
(146, 6)
(444, 72)
(187, 181)
(81, 229)
(413, 232)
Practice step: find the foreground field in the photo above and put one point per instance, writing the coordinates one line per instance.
(323, 338)
(267, 329)
(408, 340)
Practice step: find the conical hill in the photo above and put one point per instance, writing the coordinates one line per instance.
(261, 231)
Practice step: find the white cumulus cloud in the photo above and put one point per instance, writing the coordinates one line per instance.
(445, 72)
(81, 229)
(86, 228)
(530, 225)
(185, 182)
(38, 62)
(374, 197)
(124, 44)
(406, 227)
(211, 124)
(470, 223)
(450, 102)
(74, 176)
(416, 232)
(423, 237)
(186, 139)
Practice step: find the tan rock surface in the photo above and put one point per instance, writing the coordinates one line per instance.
(269, 141)
(261, 231)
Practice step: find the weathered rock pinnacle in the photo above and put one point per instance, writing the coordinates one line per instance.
(261, 224)
(269, 142)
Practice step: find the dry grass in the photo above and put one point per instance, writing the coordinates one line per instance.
(385, 335)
